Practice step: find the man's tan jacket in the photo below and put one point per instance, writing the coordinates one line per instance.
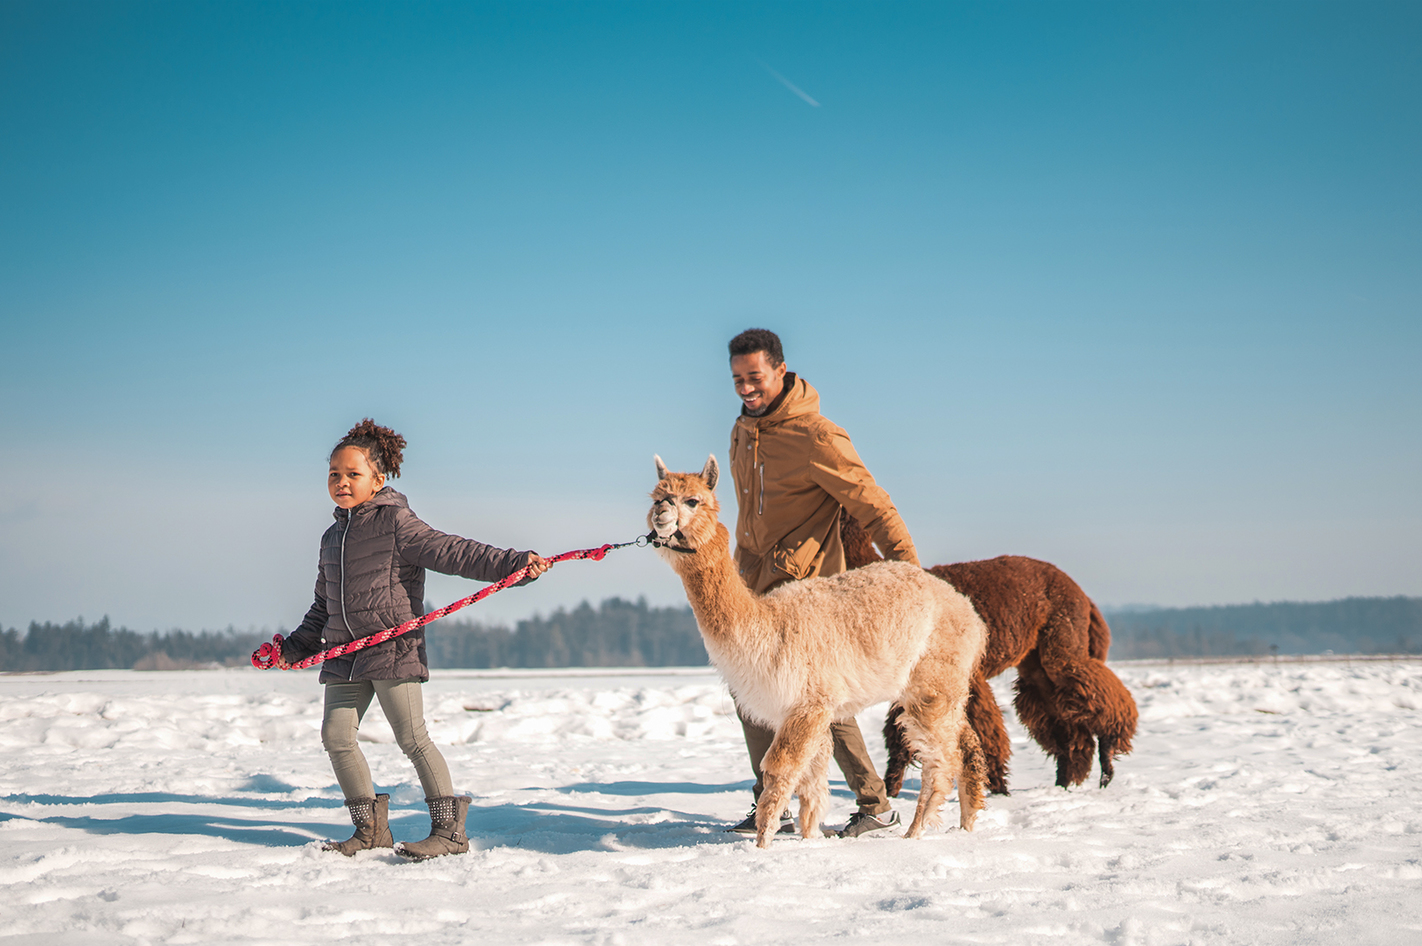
(793, 470)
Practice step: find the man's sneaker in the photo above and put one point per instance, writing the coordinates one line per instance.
(861, 822)
(787, 824)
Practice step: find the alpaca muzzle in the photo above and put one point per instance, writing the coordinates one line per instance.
(659, 542)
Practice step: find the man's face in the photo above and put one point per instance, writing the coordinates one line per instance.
(758, 382)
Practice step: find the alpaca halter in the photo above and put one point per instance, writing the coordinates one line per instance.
(657, 542)
(267, 656)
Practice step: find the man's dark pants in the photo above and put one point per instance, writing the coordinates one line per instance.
(850, 753)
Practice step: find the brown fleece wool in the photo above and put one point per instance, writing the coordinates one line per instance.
(1042, 623)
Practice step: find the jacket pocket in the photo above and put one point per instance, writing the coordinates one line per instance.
(798, 562)
(800, 554)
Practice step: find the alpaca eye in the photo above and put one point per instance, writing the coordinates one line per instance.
(693, 503)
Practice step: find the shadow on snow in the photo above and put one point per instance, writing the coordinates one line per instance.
(538, 826)
(242, 831)
(656, 788)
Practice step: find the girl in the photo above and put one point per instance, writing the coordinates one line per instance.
(372, 576)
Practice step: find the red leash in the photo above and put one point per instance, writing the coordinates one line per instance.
(265, 657)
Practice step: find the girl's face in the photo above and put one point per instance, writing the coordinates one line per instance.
(352, 479)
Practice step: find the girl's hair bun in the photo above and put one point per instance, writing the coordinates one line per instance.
(383, 446)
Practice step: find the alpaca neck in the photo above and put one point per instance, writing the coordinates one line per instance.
(722, 603)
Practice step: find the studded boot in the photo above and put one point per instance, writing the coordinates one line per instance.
(447, 814)
(371, 817)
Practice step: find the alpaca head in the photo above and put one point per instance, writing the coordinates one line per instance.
(684, 508)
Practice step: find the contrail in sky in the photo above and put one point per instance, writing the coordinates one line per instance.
(789, 85)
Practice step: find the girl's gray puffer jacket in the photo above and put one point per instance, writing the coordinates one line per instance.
(372, 576)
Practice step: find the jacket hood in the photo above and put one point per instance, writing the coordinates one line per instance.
(387, 496)
(798, 399)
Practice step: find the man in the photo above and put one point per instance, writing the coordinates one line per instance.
(794, 473)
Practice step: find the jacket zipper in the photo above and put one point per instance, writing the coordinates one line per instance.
(344, 532)
(760, 468)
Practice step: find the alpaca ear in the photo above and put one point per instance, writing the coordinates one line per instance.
(662, 470)
(711, 472)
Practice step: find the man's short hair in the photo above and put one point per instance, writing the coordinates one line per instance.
(753, 340)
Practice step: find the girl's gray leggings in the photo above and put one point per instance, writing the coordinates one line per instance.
(403, 704)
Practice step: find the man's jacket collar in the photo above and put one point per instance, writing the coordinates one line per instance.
(797, 400)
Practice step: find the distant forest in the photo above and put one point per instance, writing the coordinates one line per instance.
(620, 633)
(77, 646)
(617, 633)
(1347, 626)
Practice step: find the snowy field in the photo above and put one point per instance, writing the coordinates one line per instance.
(1264, 804)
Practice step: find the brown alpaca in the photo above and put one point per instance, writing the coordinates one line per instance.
(814, 651)
(1041, 622)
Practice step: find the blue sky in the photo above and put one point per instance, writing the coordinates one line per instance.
(1133, 288)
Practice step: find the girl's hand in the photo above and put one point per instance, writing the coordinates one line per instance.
(537, 565)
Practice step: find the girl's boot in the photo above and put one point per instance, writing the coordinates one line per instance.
(447, 836)
(371, 817)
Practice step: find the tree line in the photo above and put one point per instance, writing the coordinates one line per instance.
(1347, 626)
(619, 633)
(74, 645)
(616, 633)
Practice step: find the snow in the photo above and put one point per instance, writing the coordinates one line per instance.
(1265, 803)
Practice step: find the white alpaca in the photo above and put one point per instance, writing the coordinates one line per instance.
(814, 651)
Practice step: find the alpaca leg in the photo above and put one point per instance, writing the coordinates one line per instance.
(774, 798)
(900, 755)
(814, 791)
(1107, 749)
(796, 743)
(986, 719)
(933, 733)
(933, 792)
(970, 778)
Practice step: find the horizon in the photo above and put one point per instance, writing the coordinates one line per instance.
(641, 600)
(1128, 288)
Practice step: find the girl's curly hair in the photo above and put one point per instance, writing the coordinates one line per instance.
(383, 446)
